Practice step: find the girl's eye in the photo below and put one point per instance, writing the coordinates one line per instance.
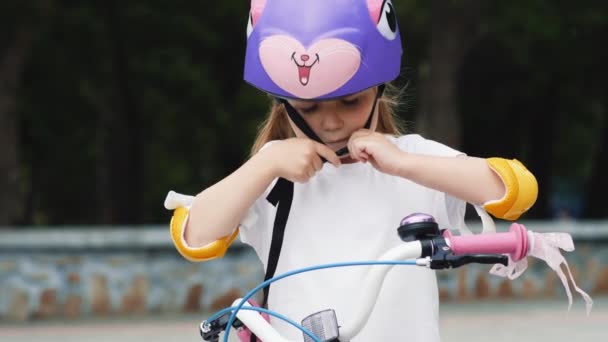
(350, 102)
(309, 110)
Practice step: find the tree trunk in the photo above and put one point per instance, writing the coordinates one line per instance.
(120, 167)
(595, 201)
(543, 128)
(11, 189)
(454, 27)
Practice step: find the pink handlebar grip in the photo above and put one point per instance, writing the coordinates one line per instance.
(514, 243)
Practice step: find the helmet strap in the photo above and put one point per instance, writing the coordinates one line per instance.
(299, 121)
(368, 124)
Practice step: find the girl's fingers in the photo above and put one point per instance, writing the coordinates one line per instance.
(311, 173)
(351, 148)
(354, 143)
(357, 151)
(327, 153)
(317, 163)
(364, 156)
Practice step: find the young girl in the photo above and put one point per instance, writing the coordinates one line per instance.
(326, 64)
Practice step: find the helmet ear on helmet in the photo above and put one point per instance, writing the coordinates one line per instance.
(257, 7)
(374, 7)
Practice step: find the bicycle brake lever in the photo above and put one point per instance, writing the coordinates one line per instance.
(490, 259)
(210, 331)
(454, 261)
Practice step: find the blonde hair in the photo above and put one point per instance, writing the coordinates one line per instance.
(277, 127)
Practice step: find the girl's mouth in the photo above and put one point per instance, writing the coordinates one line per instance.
(304, 70)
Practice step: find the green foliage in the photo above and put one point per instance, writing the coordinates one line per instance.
(196, 118)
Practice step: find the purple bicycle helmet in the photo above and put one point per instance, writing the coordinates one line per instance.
(321, 49)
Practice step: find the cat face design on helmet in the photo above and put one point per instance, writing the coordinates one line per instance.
(319, 49)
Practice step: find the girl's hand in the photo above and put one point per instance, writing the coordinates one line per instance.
(367, 146)
(297, 159)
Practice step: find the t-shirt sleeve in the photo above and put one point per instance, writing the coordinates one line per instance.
(450, 211)
(255, 228)
(415, 143)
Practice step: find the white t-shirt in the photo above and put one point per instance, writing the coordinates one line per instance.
(351, 213)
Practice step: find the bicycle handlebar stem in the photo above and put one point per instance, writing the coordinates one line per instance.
(372, 285)
(257, 324)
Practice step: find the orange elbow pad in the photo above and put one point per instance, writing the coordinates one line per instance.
(215, 249)
(181, 205)
(521, 189)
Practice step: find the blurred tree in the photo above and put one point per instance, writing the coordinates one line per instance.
(597, 188)
(121, 103)
(58, 117)
(454, 28)
(10, 68)
(531, 89)
(18, 34)
(117, 103)
(120, 130)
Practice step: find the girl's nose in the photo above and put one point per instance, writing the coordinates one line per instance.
(304, 58)
(332, 121)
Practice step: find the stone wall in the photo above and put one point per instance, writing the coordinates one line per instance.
(51, 284)
(59, 273)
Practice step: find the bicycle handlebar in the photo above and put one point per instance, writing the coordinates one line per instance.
(514, 243)
(434, 250)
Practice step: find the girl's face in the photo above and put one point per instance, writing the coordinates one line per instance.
(335, 120)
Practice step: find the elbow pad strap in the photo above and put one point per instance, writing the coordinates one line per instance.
(213, 250)
(521, 189)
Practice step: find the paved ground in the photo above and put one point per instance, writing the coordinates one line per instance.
(495, 322)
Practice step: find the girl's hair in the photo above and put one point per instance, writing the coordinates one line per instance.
(277, 127)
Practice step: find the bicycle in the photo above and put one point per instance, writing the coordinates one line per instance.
(425, 245)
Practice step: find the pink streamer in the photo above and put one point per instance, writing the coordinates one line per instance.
(546, 246)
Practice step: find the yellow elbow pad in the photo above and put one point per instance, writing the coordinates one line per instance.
(215, 249)
(521, 189)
